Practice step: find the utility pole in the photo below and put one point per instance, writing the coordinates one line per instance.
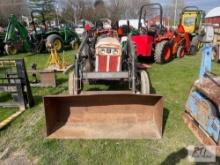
(175, 13)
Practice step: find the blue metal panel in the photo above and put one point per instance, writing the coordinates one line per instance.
(212, 126)
(206, 63)
(192, 102)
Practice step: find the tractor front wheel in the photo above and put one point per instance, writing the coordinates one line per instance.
(55, 41)
(11, 50)
(143, 82)
(180, 52)
(163, 52)
(72, 88)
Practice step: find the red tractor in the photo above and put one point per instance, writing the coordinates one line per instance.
(181, 42)
(153, 41)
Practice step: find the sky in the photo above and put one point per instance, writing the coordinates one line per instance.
(206, 5)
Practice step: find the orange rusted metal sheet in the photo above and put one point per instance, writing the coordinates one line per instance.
(104, 116)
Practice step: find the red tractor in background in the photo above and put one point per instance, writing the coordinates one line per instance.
(157, 42)
(153, 41)
(181, 42)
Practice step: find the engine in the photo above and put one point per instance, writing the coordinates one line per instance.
(108, 53)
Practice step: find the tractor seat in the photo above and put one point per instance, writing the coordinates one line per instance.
(151, 33)
(153, 29)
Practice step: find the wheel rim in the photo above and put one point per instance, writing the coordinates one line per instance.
(11, 50)
(167, 52)
(57, 44)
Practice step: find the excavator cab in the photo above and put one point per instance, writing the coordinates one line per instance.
(191, 18)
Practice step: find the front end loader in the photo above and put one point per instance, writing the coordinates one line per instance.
(130, 114)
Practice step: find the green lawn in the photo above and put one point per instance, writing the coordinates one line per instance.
(42, 62)
(173, 81)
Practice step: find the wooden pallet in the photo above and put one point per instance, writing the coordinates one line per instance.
(203, 137)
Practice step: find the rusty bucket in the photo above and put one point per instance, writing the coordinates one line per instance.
(105, 116)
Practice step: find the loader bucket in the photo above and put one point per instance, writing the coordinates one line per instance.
(104, 116)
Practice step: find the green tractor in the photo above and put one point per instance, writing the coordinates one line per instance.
(70, 37)
(16, 37)
(191, 19)
(39, 39)
(45, 37)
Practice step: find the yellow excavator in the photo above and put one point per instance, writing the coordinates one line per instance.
(191, 19)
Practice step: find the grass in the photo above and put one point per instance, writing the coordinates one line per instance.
(42, 62)
(172, 80)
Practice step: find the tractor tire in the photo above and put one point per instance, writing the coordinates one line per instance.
(180, 52)
(162, 52)
(194, 45)
(144, 82)
(75, 45)
(215, 55)
(55, 41)
(10, 50)
(193, 50)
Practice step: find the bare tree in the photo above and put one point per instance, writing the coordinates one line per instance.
(117, 9)
(8, 7)
(74, 10)
(133, 8)
(170, 10)
(101, 10)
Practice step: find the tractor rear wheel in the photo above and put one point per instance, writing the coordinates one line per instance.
(75, 45)
(162, 52)
(144, 82)
(10, 50)
(180, 52)
(215, 55)
(55, 41)
(193, 50)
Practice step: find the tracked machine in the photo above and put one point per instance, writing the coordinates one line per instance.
(130, 114)
(191, 18)
(202, 113)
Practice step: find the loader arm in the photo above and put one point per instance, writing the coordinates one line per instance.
(13, 27)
